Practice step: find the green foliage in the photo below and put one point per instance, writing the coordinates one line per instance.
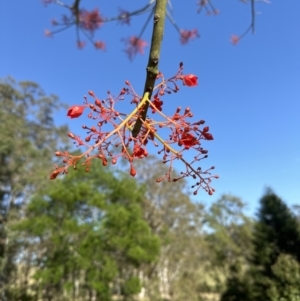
(238, 285)
(81, 229)
(286, 283)
(132, 286)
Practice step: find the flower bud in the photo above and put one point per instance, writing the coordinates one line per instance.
(132, 171)
(190, 80)
(75, 111)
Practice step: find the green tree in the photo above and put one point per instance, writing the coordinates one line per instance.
(87, 237)
(275, 232)
(28, 137)
(271, 276)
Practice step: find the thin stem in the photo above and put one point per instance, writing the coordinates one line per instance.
(171, 19)
(253, 16)
(133, 13)
(146, 24)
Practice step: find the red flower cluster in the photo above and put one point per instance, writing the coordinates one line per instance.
(112, 137)
(90, 20)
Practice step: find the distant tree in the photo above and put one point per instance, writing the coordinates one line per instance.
(229, 239)
(276, 232)
(89, 241)
(28, 137)
(177, 220)
(238, 285)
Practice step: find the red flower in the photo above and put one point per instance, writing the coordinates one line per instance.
(190, 80)
(157, 103)
(188, 140)
(139, 152)
(75, 111)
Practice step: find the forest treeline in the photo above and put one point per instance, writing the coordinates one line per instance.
(103, 235)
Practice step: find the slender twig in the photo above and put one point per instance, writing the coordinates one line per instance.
(252, 24)
(146, 24)
(171, 19)
(253, 16)
(133, 13)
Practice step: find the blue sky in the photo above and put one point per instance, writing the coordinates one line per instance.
(248, 94)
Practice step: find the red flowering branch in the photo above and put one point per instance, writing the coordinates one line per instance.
(112, 136)
(89, 21)
(120, 135)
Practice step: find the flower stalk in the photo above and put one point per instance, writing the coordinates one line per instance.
(154, 56)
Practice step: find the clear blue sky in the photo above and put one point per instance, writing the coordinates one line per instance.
(248, 94)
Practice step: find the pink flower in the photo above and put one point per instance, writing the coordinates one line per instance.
(90, 20)
(234, 39)
(75, 111)
(80, 44)
(187, 35)
(100, 45)
(190, 80)
(48, 33)
(134, 45)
